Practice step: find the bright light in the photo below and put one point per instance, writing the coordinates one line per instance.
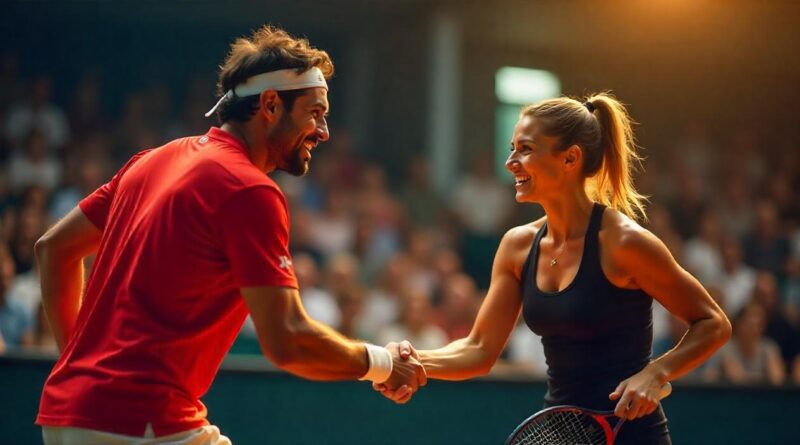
(523, 86)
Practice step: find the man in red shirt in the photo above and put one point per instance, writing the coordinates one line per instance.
(189, 237)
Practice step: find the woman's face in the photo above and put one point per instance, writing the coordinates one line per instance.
(536, 166)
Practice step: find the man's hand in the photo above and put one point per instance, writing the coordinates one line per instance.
(397, 390)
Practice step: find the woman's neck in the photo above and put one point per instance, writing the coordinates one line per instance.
(568, 217)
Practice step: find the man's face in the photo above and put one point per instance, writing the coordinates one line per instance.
(300, 130)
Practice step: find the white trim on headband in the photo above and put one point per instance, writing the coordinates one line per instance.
(281, 80)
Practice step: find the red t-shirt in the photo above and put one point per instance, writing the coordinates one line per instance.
(185, 227)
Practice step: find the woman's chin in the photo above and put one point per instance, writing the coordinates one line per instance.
(524, 197)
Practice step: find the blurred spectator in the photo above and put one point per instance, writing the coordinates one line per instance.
(378, 224)
(351, 307)
(382, 305)
(751, 358)
(92, 173)
(735, 207)
(778, 327)
(11, 87)
(158, 108)
(446, 263)
(318, 302)
(792, 293)
(86, 114)
(33, 165)
(346, 165)
(29, 227)
(479, 189)
(421, 201)
(696, 148)
(333, 230)
(342, 271)
(690, 203)
(416, 325)
(796, 370)
(745, 156)
(7, 210)
(25, 291)
(16, 326)
(660, 223)
(779, 192)
(37, 112)
(422, 246)
(766, 247)
(525, 351)
(133, 132)
(460, 301)
(195, 104)
(701, 254)
(738, 279)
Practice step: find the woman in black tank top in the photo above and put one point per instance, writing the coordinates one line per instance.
(585, 276)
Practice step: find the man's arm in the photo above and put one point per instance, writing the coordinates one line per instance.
(59, 255)
(300, 345)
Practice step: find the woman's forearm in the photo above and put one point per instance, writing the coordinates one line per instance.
(460, 360)
(700, 342)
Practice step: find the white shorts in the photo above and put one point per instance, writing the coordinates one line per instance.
(206, 435)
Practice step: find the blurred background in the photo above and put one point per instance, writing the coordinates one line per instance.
(396, 225)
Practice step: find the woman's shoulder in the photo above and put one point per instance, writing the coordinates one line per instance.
(620, 232)
(523, 235)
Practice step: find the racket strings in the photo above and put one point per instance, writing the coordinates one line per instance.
(561, 428)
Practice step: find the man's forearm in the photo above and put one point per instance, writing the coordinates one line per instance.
(320, 353)
(62, 284)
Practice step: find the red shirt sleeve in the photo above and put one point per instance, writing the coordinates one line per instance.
(255, 235)
(97, 205)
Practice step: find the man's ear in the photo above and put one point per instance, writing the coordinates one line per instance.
(270, 104)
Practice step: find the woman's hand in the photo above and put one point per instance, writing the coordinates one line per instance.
(640, 394)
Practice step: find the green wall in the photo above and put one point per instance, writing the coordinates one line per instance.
(255, 406)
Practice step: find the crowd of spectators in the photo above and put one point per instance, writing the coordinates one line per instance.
(385, 259)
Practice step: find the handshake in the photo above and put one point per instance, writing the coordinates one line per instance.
(407, 376)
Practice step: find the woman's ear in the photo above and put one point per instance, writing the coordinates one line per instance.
(572, 157)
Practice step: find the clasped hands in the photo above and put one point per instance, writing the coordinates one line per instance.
(408, 374)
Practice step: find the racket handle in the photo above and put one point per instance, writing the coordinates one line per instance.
(666, 390)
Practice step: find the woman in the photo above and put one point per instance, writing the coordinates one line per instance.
(584, 276)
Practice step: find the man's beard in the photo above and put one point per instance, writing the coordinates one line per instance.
(294, 164)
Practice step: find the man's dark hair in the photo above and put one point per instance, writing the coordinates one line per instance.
(268, 49)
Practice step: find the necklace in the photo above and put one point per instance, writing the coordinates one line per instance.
(554, 261)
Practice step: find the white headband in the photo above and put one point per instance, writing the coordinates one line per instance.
(281, 80)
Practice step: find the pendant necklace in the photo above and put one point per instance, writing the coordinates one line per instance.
(554, 261)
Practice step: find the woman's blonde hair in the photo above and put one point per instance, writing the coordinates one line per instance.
(602, 128)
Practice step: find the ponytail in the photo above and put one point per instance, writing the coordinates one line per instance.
(613, 183)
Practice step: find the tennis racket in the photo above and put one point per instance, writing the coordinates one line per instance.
(571, 425)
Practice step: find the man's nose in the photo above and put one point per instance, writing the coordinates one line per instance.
(322, 132)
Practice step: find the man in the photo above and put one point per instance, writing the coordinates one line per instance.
(189, 236)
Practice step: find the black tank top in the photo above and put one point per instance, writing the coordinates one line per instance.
(594, 333)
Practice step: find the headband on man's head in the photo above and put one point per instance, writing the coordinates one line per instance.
(281, 80)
